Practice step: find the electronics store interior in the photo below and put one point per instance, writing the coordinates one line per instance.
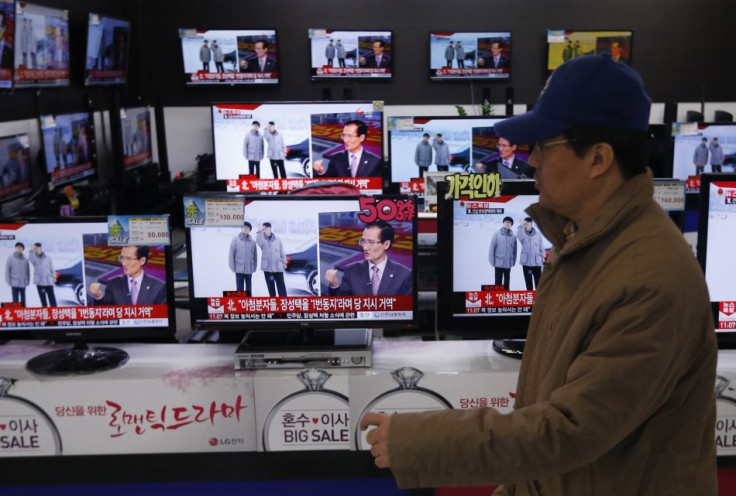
(191, 194)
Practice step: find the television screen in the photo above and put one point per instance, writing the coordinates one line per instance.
(351, 54)
(702, 148)
(41, 46)
(219, 56)
(15, 166)
(563, 45)
(469, 55)
(135, 124)
(301, 261)
(69, 279)
(453, 144)
(7, 28)
(716, 226)
(495, 255)
(108, 42)
(283, 146)
(69, 146)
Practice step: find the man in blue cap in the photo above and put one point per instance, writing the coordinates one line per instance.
(616, 388)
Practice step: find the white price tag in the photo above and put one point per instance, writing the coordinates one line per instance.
(223, 212)
(670, 195)
(149, 231)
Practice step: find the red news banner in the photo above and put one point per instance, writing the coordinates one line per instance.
(498, 301)
(253, 184)
(228, 308)
(99, 315)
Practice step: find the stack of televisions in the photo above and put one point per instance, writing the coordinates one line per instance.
(317, 237)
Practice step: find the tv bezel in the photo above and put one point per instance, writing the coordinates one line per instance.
(243, 326)
(484, 78)
(243, 82)
(726, 339)
(16, 42)
(97, 334)
(482, 326)
(354, 77)
(92, 144)
(29, 190)
(549, 71)
(107, 81)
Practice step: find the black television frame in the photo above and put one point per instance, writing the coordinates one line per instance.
(481, 326)
(198, 305)
(503, 76)
(355, 76)
(90, 81)
(726, 338)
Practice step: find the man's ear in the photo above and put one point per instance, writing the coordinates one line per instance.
(602, 158)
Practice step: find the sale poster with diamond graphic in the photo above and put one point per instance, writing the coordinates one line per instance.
(303, 410)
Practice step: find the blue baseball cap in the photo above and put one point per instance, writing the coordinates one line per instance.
(592, 89)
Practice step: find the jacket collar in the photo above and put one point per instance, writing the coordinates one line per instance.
(622, 206)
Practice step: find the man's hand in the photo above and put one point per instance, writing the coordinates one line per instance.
(96, 290)
(318, 167)
(331, 278)
(378, 437)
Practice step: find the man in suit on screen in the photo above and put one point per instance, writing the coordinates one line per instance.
(355, 161)
(376, 275)
(134, 286)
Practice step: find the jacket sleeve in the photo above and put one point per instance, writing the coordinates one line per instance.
(603, 401)
(231, 256)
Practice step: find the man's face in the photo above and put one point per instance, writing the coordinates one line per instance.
(527, 226)
(353, 142)
(245, 230)
(425, 139)
(267, 230)
(495, 49)
(615, 49)
(373, 249)
(507, 224)
(256, 127)
(439, 139)
(505, 149)
(377, 48)
(561, 177)
(132, 265)
(271, 127)
(260, 49)
(38, 250)
(19, 249)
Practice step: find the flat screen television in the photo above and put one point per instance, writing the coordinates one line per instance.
(565, 44)
(694, 147)
(492, 259)
(135, 124)
(469, 55)
(41, 46)
(274, 266)
(351, 54)
(7, 30)
(15, 167)
(69, 147)
(230, 56)
(716, 225)
(108, 49)
(306, 136)
(66, 282)
(471, 144)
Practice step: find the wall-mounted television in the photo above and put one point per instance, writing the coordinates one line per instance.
(283, 146)
(494, 257)
(296, 261)
(69, 146)
(469, 55)
(449, 143)
(135, 124)
(69, 281)
(232, 56)
(716, 225)
(15, 166)
(41, 46)
(702, 148)
(566, 44)
(108, 49)
(7, 30)
(351, 54)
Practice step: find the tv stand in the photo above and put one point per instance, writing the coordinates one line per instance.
(81, 359)
(513, 348)
(300, 348)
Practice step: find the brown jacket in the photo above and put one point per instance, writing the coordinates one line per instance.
(616, 389)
